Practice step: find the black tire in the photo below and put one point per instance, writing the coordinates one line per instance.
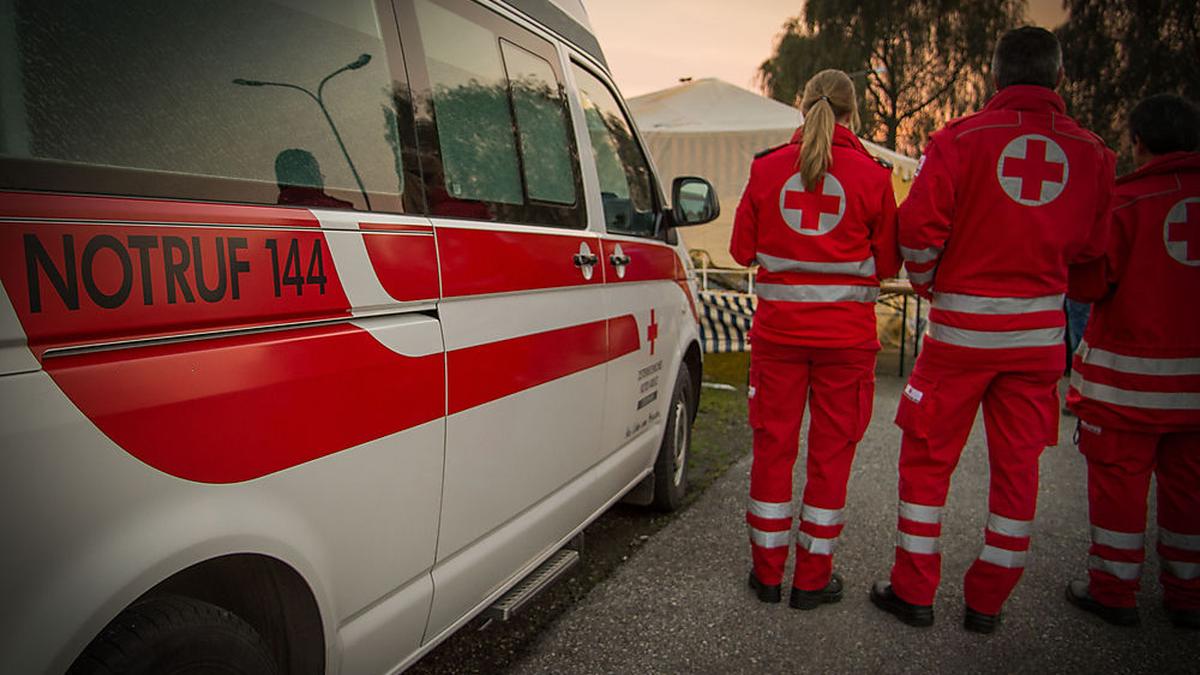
(173, 635)
(670, 468)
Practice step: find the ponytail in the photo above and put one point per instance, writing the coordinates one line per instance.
(827, 96)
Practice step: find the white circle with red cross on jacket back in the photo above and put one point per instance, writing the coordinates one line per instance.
(816, 212)
(1032, 170)
(1181, 231)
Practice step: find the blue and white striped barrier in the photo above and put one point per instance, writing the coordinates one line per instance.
(725, 321)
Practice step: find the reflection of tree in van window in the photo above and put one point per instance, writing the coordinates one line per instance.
(301, 182)
(475, 132)
(146, 85)
(625, 187)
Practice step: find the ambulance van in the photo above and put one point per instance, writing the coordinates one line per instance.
(327, 325)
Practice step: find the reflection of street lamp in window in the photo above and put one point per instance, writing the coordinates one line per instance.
(361, 61)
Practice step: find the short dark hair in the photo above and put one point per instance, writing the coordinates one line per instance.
(1027, 55)
(1166, 123)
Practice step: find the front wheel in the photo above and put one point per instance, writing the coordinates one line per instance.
(670, 469)
(173, 635)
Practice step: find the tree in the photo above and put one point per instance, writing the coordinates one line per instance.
(1117, 52)
(922, 61)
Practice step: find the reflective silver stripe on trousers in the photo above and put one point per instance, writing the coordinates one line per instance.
(1187, 542)
(980, 304)
(915, 544)
(921, 277)
(770, 509)
(1159, 400)
(861, 268)
(1126, 571)
(817, 545)
(1001, 339)
(816, 293)
(920, 255)
(819, 516)
(920, 513)
(1008, 527)
(769, 539)
(1003, 557)
(1137, 365)
(1181, 570)
(1129, 541)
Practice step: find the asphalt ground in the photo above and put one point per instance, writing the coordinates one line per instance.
(680, 603)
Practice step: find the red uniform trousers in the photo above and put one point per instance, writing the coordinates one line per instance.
(1119, 466)
(839, 385)
(1020, 412)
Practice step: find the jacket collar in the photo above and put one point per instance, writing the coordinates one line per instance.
(1172, 162)
(1027, 97)
(841, 136)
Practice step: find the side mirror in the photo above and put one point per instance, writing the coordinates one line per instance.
(693, 201)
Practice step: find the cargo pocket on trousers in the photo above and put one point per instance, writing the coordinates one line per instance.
(866, 406)
(1052, 419)
(915, 414)
(752, 400)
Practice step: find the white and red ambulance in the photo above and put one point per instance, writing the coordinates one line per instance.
(325, 324)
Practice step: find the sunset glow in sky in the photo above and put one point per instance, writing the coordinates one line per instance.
(650, 44)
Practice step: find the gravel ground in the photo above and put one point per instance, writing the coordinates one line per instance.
(680, 603)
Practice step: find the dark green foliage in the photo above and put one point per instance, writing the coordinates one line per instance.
(1117, 52)
(925, 61)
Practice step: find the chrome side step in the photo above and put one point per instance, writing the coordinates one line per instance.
(537, 581)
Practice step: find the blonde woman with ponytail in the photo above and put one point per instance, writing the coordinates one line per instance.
(818, 216)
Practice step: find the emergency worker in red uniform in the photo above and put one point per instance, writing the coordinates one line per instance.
(1004, 200)
(1136, 379)
(818, 216)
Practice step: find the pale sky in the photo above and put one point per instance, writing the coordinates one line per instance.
(650, 44)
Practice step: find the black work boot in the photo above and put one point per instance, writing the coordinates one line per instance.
(978, 622)
(1184, 618)
(1078, 595)
(886, 599)
(812, 599)
(764, 592)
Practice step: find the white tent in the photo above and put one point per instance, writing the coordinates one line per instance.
(712, 129)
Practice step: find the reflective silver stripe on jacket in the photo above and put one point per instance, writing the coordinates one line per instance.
(920, 513)
(1129, 541)
(1009, 527)
(1137, 365)
(1159, 400)
(980, 304)
(769, 539)
(819, 516)
(1003, 557)
(916, 544)
(816, 293)
(1186, 542)
(1181, 570)
(1126, 571)
(770, 509)
(861, 268)
(980, 339)
(921, 277)
(920, 255)
(817, 545)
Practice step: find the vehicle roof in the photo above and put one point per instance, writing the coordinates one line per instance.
(567, 18)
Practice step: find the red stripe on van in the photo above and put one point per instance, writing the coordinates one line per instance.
(102, 209)
(478, 262)
(405, 264)
(237, 408)
(485, 373)
(647, 262)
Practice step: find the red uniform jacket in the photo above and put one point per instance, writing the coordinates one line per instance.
(1004, 200)
(821, 253)
(1138, 367)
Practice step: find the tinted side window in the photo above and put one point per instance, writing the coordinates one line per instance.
(228, 100)
(625, 179)
(492, 117)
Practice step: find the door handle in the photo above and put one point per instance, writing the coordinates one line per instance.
(582, 259)
(619, 260)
